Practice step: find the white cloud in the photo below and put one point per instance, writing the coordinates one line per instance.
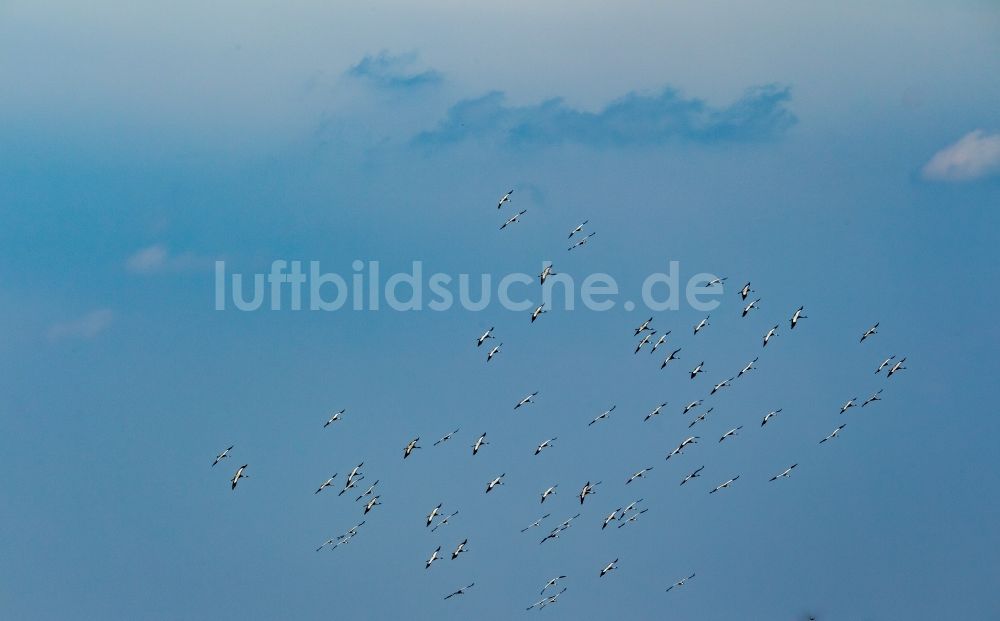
(158, 258)
(975, 155)
(86, 327)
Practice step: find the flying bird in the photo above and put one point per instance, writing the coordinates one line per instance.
(638, 475)
(749, 307)
(870, 331)
(672, 356)
(497, 481)
(721, 385)
(732, 432)
(443, 521)
(582, 241)
(680, 447)
(874, 397)
(544, 445)
(717, 281)
(698, 369)
(412, 444)
(746, 291)
(336, 416)
(700, 417)
(643, 327)
(459, 549)
(770, 333)
(611, 516)
(505, 199)
(525, 401)
(644, 340)
(493, 352)
(884, 364)
(434, 512)
(631, 518)
(434, 556)
(769, 416)
(371, 504)
(551, 583)
(535, 524)
(549, 492)
(224, 454)
(691, 406)
(796, 316)
(484, 336)
(663, 338)
(478, 444)
(850, 404)
(701, 324)
(460, 591)
(655, 412)
(602, 415)
(579, 227)
(587, 490)
(609, 567)
(747, 368)
(693, 475)
(513, 219)
(784, 474)
(834, 434)
(538, 311)
(240, 474)
(368, 492)
(725, 485)
(446, 437)
(896, 368)
(679, 583)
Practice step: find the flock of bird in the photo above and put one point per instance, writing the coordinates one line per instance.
(644, 334)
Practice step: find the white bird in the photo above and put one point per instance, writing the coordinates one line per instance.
(717, 281)
(478, 444)
(644, 340)
(538, 311)
(655, 412)
(870, 331)
(769, 416)
(643, 327)
(459, 549)
(679, 583)
(602, 415)
(549, 492)
(460, 591)
(609, 567)
(551, 583)
(356, 471)
(371, 504)
(796, 316)
(224, 454)
(698, 369)
(582, 241)
(747, 368)
(587, 490)
(446, 437)
(579, 227)
(631, 506)
(663, 338)
(700, 417)
(850, 404)
(639, 475)
(874, 397)
(240, 474)
(495, 482)
(693, 475)
(631, 518)
(326, 543)
(505, 199)
(484, 336)
(749, 307)
(746, 291)
(433, 514)
(680, 447)
(513, 219)
(546, 272)
(691, 406)
(443, 521)
(434, 557)
(834, 434)
(884, 364)
(544, 445)
(784, 474)
(336, 416)
(767, 337)
(732, 432)
(351, 481)
(672, 356)
(493, 352)
(701, 324)
(896, 368)
(725, 485)
(528, 399)
(612, 516)
(368, 492)
(721, 385)
(535, 524)
(410, 446)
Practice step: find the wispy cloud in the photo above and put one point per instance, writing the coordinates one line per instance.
(86, 327)
(158, 258)
(394, 71)
(635, 119)
(975, 155)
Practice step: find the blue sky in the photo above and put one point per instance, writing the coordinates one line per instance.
(844, 157)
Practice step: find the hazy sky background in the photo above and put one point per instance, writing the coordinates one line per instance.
(844, 156)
